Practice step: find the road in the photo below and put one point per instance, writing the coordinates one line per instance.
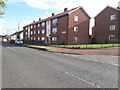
(0, 63)
(29, 68)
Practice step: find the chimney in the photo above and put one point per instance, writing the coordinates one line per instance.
(52, 14)
(39, 19)
(65, 9)
(34, 21)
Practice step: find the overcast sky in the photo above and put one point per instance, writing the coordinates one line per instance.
(25, 11)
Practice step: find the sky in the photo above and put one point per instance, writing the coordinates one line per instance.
(25, 11)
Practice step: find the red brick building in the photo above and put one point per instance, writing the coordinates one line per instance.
(107, 26)
(68, 27)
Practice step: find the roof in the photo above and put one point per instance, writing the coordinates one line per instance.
(18, 32)
(59, 15)
(106, 8)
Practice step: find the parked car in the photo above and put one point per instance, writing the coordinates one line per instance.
(12, 41)
(18, 42)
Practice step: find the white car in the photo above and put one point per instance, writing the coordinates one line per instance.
(18, 42)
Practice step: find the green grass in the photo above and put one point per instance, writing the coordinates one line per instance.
(89, 46)
(46, 48)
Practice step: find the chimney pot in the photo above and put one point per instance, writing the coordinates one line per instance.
(34, 21)
(39, 19)
(65, 9)
(52, 14)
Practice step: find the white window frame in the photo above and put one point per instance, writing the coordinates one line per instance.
(112, 37)
(43, 23)
(31, 32)
(38, 38)
(31, 38)
(75, 29)
(34, 32)
(26, 28)
(38, 31)
(26, 33)
(54, 30)
(75, 39)
(35, 26)
(43, 31)
(54, 39)
(113, 17)
(34, 38)
(54, 21)
(31, 27)
(43, 38)
(38, 24)
(112, 27)
(76, 18)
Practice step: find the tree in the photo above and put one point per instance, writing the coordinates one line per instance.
(2, 7)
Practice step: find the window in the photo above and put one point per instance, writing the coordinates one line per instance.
(43, 38)
(38, 38)
(26, 33)
(43, 23)
(38, 24)
(74, 39)
(54, 38)
(31, 32)
(31, 38)
(113, 17)
(63, 32)
(38, 31)
(43, 31)
(75, 29)
(31, 27)
(76, 18)
(54, 30)
(112, 37)
(34, 38)
(34, 32)
(34, 26)
(112, 27)
(26, 28)
(54, 21)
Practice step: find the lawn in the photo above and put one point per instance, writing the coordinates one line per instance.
(88, 46)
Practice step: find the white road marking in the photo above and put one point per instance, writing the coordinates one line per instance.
(24, 84)
(114, 64)
(74, 76)
(103, 62)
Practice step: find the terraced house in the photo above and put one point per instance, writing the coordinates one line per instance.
(107, 25)
(68, 27)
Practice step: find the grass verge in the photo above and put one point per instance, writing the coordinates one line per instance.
(89, 46)
(44, 48)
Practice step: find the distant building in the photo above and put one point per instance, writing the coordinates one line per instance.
(17, 35)
(107, 26)
(68, 27)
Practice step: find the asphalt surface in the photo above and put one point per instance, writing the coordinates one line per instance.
(0, 63)
(29, 68)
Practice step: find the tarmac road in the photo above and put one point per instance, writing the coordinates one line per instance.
(29, 68)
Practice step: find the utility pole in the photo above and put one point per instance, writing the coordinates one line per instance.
(7, 31)
(18, 27)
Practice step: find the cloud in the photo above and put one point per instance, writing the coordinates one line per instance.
(92, 6)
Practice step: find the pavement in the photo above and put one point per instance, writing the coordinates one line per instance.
(24, 67)
(108, 51)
